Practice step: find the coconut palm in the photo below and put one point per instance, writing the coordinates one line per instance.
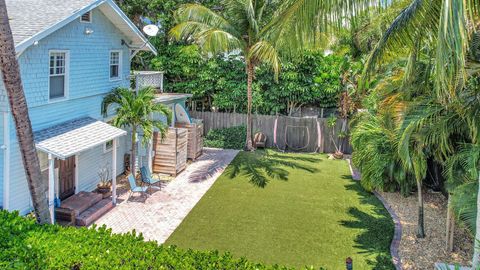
(445, 26)
(13, 85)
(134, 110)
(248, 27)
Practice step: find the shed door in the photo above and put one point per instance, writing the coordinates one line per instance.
(66, 176)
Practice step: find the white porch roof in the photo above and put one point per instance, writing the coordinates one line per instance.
(72, 137)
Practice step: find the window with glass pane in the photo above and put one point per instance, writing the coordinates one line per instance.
(57, 74)
(114, 65)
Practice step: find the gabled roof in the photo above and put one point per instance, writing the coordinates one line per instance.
(33, 20)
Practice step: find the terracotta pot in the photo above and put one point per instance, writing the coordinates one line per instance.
(103, 189)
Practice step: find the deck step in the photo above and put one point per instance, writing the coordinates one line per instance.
(93, 213)
(81, 201)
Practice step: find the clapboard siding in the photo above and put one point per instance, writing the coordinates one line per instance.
(88, 83)
(89, 60)
(91, 161)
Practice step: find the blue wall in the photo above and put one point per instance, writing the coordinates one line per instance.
(88, 83)
(3, 108)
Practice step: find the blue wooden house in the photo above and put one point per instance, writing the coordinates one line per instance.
(71, 53)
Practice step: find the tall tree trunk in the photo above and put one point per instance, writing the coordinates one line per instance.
(249, 143)
(476, 252)
(421, 226)
(134, 149)
(13, 85)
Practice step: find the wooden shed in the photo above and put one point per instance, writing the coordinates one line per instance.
(195, 137)
(171, 152)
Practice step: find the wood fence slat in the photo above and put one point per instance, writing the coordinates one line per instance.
(297, 135)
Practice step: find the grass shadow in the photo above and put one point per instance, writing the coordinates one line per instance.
(261, 166)
(377, 228)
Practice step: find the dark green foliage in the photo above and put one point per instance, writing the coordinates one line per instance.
(226, 138)
(464, 203)
(313, 79)
(219, 82)
(26, 245)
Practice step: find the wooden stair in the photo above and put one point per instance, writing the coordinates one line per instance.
(93, 213)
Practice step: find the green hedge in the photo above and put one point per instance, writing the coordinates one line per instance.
(226, 138)
(27, 245)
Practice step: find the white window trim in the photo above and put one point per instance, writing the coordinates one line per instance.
(120, 64)
(105, 150)
(90, 15)
(67, 75)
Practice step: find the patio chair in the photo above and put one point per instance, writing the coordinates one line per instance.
(134, 188)
(147, 177)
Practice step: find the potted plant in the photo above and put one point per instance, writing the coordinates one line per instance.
(331, 123)
(105, 184)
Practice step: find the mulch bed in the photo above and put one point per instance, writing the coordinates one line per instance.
(423, 253)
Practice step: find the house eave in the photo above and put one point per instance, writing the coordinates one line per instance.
(25, 44)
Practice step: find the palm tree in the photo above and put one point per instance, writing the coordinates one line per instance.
(135, 110)
(445, 27)
(249, 28)
(13, 85)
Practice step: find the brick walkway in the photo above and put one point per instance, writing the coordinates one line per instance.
(159, 214)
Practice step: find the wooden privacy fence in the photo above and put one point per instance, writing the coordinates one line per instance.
(293, 133)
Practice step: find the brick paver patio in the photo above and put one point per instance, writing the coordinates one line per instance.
(159, 214)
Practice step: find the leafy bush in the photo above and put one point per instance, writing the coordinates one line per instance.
(27, 245)
(226, 138)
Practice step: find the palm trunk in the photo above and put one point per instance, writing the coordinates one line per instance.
(13, 85)
(421, 226)
(476, 252)
(134, 144)
(249, 143)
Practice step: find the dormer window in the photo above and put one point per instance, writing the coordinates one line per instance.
(86, 17)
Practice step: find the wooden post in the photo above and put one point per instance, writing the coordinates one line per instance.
(114, 171)
(51, 187)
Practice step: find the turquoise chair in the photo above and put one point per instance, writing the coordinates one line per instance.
(134, 188)
(147, 177)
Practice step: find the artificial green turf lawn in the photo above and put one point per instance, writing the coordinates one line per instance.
(290, 209)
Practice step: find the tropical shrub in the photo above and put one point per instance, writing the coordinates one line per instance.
(373, 139)
(226, 138)
(27, 245)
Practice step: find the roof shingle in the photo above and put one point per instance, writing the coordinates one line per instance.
(70, 138)
(28, 17)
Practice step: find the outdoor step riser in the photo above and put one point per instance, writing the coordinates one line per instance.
(95, 212)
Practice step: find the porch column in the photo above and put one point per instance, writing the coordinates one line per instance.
(149, 154)
(51, 186)
(114, 171)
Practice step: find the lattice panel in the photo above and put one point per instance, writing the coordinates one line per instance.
(151, 78)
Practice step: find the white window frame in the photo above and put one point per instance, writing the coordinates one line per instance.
(89, 15)
(106, 150)
(67, 75)
(120, 56)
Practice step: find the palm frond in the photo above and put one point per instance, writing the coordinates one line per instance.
(407, 28)
(264, 52)
(205, 16)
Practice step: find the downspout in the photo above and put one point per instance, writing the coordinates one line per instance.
(6, 161)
